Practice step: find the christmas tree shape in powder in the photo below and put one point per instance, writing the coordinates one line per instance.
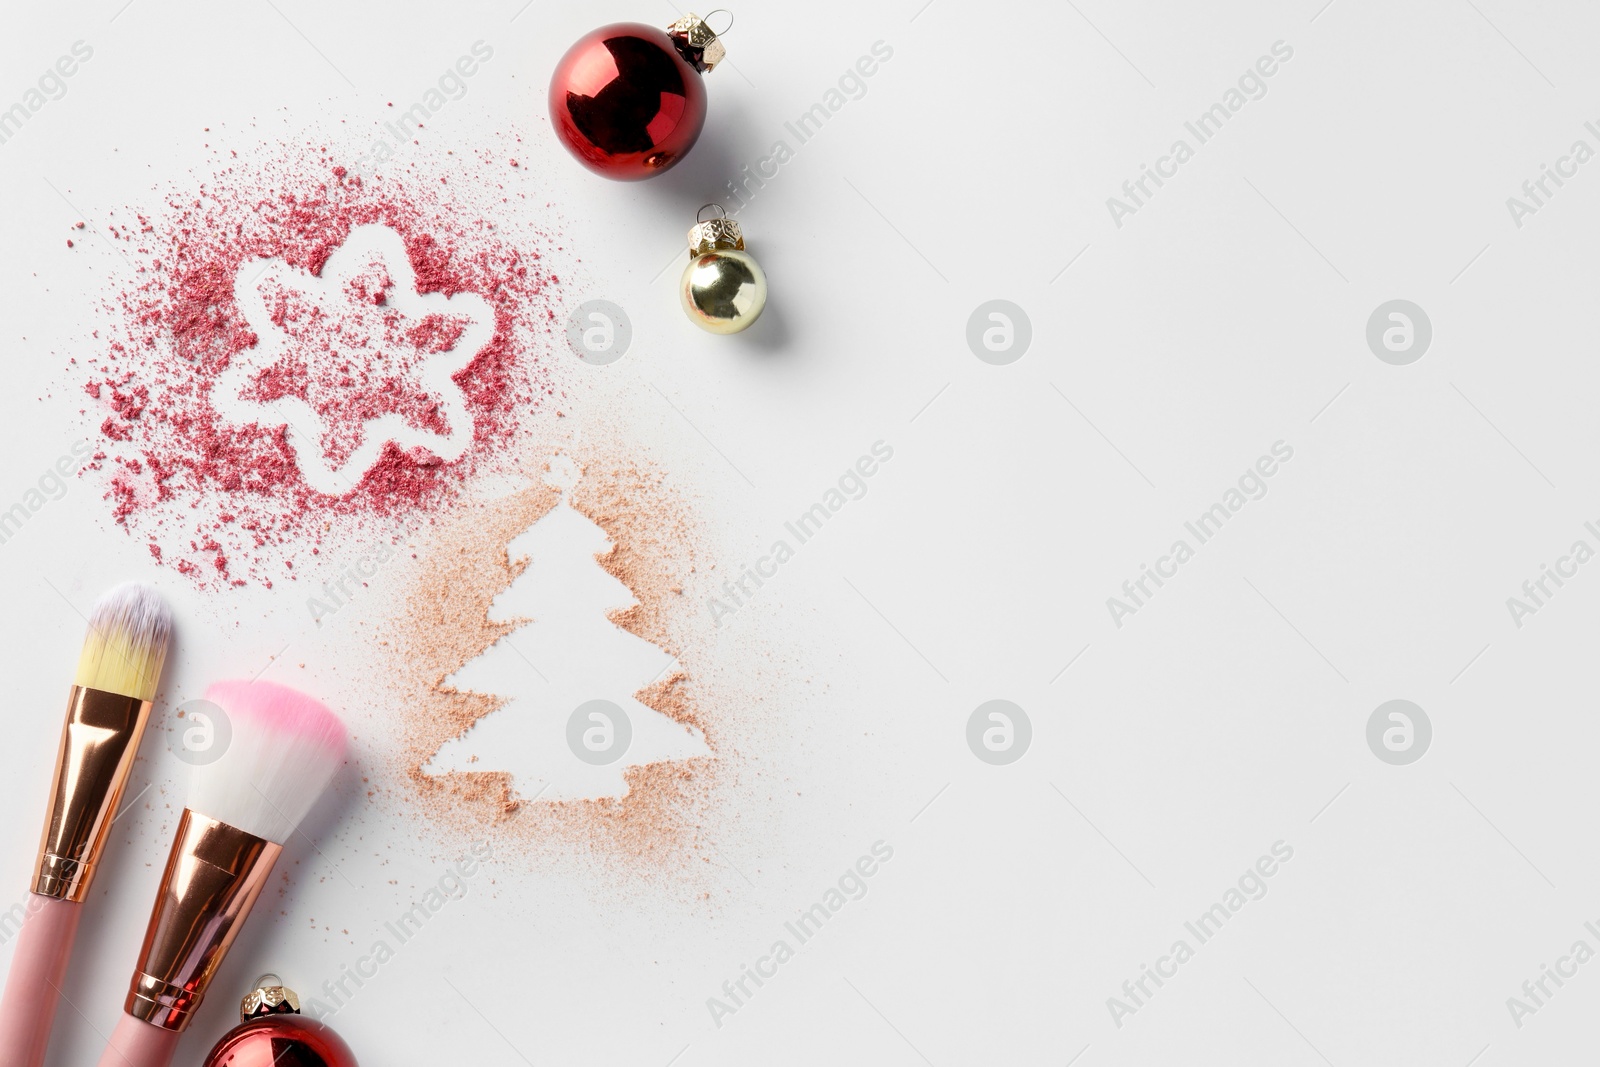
(570, 726)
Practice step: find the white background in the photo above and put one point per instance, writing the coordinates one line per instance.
(1167, 355)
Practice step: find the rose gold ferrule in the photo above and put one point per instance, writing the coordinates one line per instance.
(213, 877)
(98, 745)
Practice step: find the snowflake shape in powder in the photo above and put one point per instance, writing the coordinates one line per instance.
(353, 359)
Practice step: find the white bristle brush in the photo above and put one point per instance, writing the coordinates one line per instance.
(243, 806)
(107, 711)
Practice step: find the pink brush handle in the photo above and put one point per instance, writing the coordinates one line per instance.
(33, 988)
(138, 1044)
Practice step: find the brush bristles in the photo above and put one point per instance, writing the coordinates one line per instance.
(130, 628)
(284, 749)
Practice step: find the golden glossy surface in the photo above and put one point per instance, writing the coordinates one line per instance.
(723, 291)
(98, 745)
(214, 874)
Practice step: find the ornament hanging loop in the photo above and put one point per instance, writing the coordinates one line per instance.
(719, 11)
(722, 212)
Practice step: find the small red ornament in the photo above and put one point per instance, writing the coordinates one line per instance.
(628, 101)
(274, 1034)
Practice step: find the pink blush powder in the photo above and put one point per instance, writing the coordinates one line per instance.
(224, 500)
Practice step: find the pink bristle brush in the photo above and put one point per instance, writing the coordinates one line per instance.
(107, 711)
(243, 806)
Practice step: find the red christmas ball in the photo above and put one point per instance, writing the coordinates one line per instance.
(626, 101)
(281, 1041)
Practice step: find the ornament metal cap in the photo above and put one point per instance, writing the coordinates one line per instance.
(698, 43)
(269, 997)
(714, 234)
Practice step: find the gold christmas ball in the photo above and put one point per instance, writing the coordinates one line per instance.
(724, 290)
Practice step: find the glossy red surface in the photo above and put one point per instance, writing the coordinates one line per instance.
(281, 1041)
(625, 103)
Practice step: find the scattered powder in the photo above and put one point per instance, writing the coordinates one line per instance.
(659, 826)
(225, 503)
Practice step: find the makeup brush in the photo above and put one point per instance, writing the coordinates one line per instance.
(242, 807)
(107, 709)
